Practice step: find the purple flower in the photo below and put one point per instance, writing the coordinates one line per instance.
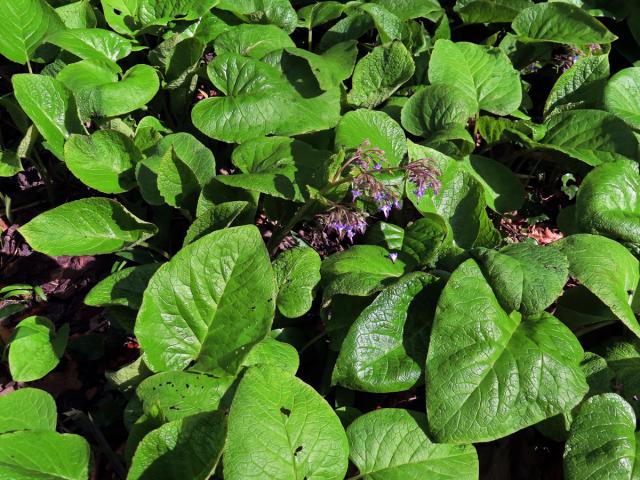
(386, 209)
(377, 166)
(355, 194)
(393, 256)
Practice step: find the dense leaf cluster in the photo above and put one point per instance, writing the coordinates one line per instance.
(316, 214)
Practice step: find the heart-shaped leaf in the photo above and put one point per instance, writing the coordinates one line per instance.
(297, 273)
(210, 304)
(17, 411)
(89, 226)
(279, 427)
(391, 443)
(528, 366)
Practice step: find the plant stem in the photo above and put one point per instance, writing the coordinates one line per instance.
(29, 66)
(310, 39)
(6, 199)
(44, 173)
(275, 240)
(312, 341)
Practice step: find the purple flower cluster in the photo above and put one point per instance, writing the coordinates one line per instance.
(423, 176)
(367, 157)
(367, 185)
(344, 222)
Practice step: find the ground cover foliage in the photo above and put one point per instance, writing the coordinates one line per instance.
(274, 239)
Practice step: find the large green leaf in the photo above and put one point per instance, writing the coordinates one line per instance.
(560, 23)
(376, 127)
(607, 269)
(276, 12)
(360, 271)
(89, 226)
(333, 66)
(529, 280)
(602, 442)
(424, 238)
(485, 77)
(59, 457)
(280, 427)
(170, 396)
(385, 348)
(50, 106)
(259, 101)
(379, 74)
(279, 166)
(93, 44)
(608, 204)
(161, 12)
(27, 409)
(437, 112)
(79, 14)
(122, 288)
(104, 161)
(592, 136)
(209, 305)
(503, 191)
(177, 182)
(622, 96)
(490, 11)
(392, 444)
(186, 448)
(492, 374)
(86, 74)
(137, 87)
(408, 9)
(297, 273)
(26, 24)
(35, 348)
(579, 87)
(252, 40)
(10, 163)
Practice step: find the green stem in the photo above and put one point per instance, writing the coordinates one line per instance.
(275, 240)
(154, 249)
(310, 38)
(6, 199)
(29, 66)
(320, 336)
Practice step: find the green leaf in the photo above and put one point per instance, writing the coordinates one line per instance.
(124, 287)
(271, 352)
(89, 226)
(529, 366)
(177, 183)
(559, 23)
(606, 202)
(104, 161)
(386, 235)
(193, 153)
(77, 15)
(490, 11)
(592, 136)
(93, 44)
(320, 13)
(10, 163)
(86, 74)
(137, 88)
(252, 86)
(27, 409)
(408, 9)
(379, 74)
(424, 238)
(160, 12)
(64, 457)
(485, 77)
(360, 271)
(35, 349)
(170, 396)
(26, 24)
(276, 12)
(436, 112)
(210, 304)
(384, 350)
(218, 217)
(297, 273)
(187, 448)
(279, 166)
(531, 282)
(621, 96)
(252, 40)
(391, 444)
(607, 269)
(602, 440)
(388, 25)
(378, 128)
(50, 106)
(352, 27)
(333, 66)
(280, 427)
(579, 87)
